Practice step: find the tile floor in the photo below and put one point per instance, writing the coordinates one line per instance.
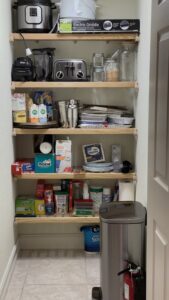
(54, 275)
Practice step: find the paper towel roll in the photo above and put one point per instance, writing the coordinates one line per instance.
(126, 191)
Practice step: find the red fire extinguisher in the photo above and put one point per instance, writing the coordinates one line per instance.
(129, 287)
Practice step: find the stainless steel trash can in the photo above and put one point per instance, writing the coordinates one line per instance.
(122, 240)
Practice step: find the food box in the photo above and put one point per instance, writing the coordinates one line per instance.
(24, 166)
(63, 156)
(45, 163)
(18, 102)
(25, 206)
(19, 116)
(39, 207)
(61, 203)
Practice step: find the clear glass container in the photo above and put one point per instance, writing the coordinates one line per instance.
(127, 65)
(98, 60)
(98, 74)
(111, 70)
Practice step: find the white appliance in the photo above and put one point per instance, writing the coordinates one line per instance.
(78, 9)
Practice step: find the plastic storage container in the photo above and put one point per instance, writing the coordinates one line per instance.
(96, 194)
(91, 238)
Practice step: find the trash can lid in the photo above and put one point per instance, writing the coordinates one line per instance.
(122, 213)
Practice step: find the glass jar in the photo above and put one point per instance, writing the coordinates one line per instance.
(98, 60)
(98, 74)
(127, 65)
(111, 70)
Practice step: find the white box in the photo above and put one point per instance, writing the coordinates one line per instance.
(63, 152)
(18, 102)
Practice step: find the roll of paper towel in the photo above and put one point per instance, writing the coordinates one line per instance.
(126, 191)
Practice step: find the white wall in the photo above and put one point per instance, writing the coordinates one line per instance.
(142, 105)
(6, 144)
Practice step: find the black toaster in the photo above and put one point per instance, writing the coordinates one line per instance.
(70, 70)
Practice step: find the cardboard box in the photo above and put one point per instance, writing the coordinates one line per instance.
(67, 25)
(24, 166)
(39, 207)
(63, 156)
(45, 163)
(19, 117)
(18, 102)
(25, 206)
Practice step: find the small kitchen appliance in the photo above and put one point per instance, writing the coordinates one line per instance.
(70, 70)
(43, 63)
(22, 69)
(78, 9)
(34, 15)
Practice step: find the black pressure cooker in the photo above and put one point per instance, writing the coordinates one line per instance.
(34, 15)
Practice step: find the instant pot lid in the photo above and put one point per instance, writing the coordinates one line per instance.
(34, 2)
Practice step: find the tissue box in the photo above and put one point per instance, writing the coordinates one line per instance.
(63, 156)
(44, 163)
(25, 206)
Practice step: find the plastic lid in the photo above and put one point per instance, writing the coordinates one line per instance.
(60, 193)
(123, 213)
(96, 189)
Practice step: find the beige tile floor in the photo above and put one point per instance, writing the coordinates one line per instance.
(54, 275)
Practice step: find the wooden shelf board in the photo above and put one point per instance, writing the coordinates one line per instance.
(76, 131)
(86, 84)
(80, 175)
(133, 37)
(58, 220)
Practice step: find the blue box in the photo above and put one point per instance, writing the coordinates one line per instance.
(45, 163)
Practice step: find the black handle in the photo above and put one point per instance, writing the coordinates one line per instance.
(53, 6)
(123, 271)
(15, 5)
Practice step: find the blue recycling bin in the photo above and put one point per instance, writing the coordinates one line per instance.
(91, 238)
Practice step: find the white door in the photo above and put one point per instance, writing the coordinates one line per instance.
(158, 177)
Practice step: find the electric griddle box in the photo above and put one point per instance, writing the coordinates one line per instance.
(99, 26)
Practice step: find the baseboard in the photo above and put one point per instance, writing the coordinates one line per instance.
(8, 271)
(51, 241)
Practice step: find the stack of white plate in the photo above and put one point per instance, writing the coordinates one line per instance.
(98, 167)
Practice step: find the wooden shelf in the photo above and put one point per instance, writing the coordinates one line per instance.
(58, 220)
(70, 85)
(80, 175)
(133, 37)
(76, 131)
